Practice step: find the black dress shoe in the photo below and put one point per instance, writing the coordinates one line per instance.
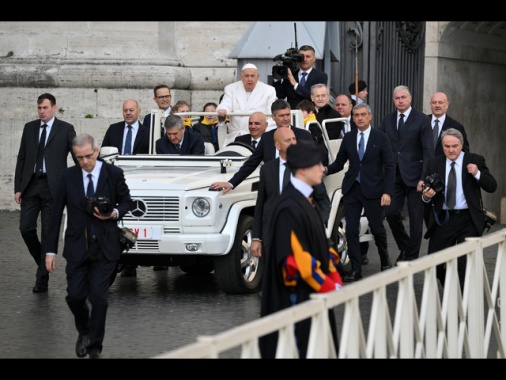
(353, 276)
(82, 342)
(39, 289)
(129, 272)
(94, 353)
(385, 264)
(160, 267)
(365, 260)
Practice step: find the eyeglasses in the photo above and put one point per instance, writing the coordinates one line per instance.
(164, 97)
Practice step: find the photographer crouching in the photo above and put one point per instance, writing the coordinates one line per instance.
(96, 196)
(456, 207)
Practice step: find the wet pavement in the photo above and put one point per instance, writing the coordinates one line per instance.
(148, 315)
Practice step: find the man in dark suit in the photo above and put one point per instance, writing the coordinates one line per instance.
(344, 106)
(266, 150)
(91, 242)
(274, 176)
(452, 221)
(439, 106)
(368, 184)
(177, 140)
(257, 125)
(291, 87)
(163, 99)
(35, 187)
(117, 134)
(410, 135)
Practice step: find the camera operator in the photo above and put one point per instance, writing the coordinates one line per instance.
(293, 88)
(458, 214)
(92, 242)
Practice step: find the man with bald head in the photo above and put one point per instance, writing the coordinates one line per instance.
(274, 176)
(257, 125)
(441, 121)
(247, 95)
(130, 136)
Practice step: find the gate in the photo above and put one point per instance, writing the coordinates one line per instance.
(385, 54)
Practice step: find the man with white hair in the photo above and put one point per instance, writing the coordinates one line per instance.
(247, 95)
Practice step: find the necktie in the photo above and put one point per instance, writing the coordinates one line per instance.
(401, 122)
(452, 188)
(303, 79)
(361, 150)
(40, 152)
(178, 148)
(128, 141)
(254, 143)
(435, 132)
(286, 178)
(90, 192)
(214, 136)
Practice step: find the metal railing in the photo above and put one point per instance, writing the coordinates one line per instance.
(429, 321)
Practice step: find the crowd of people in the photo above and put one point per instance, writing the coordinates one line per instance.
(388, 167)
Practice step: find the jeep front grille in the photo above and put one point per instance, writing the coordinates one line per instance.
(163, 209)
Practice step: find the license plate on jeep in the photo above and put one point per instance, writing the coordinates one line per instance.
(147, 233)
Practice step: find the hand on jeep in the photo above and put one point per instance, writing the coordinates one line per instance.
(225, 186)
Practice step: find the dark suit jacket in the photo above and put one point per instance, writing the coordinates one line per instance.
(268, 196)
(377, 168)
(284, 89)
(193, 143)
(58, 147)
(245, 139)
(333, 129)
(412, 146)
(114, 137)
(449, 123)
(265, 151)
(471, 188)
(71, 193)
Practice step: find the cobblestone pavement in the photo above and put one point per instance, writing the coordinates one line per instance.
(148, 315)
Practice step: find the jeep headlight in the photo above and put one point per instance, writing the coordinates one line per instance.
(201, 207)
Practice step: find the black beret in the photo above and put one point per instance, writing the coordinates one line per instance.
(303, 154)
(361, 86)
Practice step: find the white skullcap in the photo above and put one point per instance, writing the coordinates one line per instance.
(249, 66)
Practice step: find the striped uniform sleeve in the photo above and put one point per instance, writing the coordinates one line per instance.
(300, 265)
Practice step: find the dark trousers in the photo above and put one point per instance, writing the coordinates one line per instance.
(454, 231)
(411, 243)
(36, 200)
(353, 202)
(89, 281)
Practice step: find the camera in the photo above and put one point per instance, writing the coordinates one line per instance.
(102, 203)
(289, 60)
(435, 182)
(127, 238)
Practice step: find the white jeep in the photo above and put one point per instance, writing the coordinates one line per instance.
(179, 221)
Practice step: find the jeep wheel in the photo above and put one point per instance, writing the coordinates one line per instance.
(339, 237)
(239, 272)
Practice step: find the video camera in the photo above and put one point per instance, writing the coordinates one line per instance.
(290, 60)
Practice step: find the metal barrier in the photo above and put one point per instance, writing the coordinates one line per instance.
(429, 321)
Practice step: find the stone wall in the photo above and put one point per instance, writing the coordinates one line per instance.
(92, 67)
